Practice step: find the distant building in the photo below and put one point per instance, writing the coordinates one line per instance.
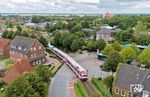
(4, 46)
(106, 26)
(131, 80)
(27, 48)
(17, 70)
(106, 34)
(107, 15)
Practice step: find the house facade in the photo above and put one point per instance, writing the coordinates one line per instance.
(105, 34)
(4, 46)
(27, 48)
(131, 81)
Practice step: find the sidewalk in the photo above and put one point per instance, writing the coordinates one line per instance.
(71, 87)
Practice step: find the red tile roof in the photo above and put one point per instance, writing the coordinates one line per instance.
(4, 42)
(17, 70)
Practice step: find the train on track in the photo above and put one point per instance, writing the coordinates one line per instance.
(76, 68)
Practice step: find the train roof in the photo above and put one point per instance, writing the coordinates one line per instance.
(70, 59)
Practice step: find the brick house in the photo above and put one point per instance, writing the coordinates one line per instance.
(131, 80)
(105, 34)
(17, 70)
(4, 46)
(27, 48)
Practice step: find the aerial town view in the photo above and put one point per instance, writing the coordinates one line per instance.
(74, 48)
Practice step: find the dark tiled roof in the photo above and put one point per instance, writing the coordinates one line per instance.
(106, 31)
(17, 70)
(127, 75)
(23, 43)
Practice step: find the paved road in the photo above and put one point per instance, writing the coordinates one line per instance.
(60, 83)
(90, 62)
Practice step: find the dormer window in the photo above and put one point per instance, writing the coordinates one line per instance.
(34, 49)
(20, 48)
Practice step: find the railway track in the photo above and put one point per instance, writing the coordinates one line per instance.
(89, 88)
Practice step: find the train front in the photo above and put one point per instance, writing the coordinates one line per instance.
(84, 76)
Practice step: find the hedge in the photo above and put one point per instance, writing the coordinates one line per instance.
(101, 87)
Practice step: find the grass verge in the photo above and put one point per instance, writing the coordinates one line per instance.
(100, 86)
(80, 89)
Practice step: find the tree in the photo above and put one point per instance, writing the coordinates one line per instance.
(117, 46)
(124, 36)
(20, 88)
(43, 41)
(9, 35)
(81, 42)
(19, 28)
(107, 50)
(112, 61)
(91, 45)
(108, 81)
(57, 39)
(144, 57)
(135, 48)
(140, 27)
(128, 54)
(76, 28)
(44, 73)
(100, 44)
(74, 45)
(85, 24)
(36, 83)
(4, 34)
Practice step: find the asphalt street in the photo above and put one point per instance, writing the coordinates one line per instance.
(60, 83)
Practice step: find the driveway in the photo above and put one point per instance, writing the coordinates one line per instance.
(60, 83)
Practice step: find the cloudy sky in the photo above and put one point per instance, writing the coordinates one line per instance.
(74, 6)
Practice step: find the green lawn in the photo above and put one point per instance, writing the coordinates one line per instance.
(1, 94)
(3, 58)
(8, 64)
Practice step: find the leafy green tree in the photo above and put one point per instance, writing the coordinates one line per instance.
(9, 35)
(107, 50)
(81, 42)
(91, 45)
(100, 44)
(57, 39)
(108, 81)
(4, 34)
(76, 28)
(117, 46)
(140, 27)
(135, 48)
(43, 41)
(19, 28)
(124, 36)
(85, 24)
(20, 88)
(74, 45)
(128, 54)
(112, 61)
(44, 73)
(144, 57)
(36, 83)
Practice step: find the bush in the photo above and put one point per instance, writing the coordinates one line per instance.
(101, 88)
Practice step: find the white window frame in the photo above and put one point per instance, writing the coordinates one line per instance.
(116, 91)
(39, 47)
(129, 94)
(122, 92)
(34, 48)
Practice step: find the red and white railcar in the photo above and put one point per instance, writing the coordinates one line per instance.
(77, 69)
